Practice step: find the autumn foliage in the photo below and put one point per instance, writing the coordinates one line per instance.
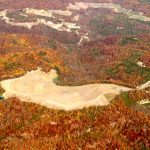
(116, 126)
(124, 124)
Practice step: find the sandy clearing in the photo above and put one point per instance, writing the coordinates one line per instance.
(83, 39)
(68, 12)
(115, 7)
(39, 87)
(62, 26)
(3, 16)
(47, 13)
(76, 18)
(141, 64)
(144, 101)
(144, 86)
(68, 26)
(73, 7)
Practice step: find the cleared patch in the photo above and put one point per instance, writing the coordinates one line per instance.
(115, 7)
(39, 87)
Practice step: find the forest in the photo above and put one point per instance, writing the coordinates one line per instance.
(117, 52)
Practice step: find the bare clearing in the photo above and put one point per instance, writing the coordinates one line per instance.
(67, 20)
(67, 26)
(39, 87)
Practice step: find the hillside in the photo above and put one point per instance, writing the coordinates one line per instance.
(99, 97)
(75, 22)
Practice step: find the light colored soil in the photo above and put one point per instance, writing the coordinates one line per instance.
(68, 12)
(144, 86)
(62, 26)
(39, 87)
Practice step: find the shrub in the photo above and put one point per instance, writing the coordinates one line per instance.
(57, 79)
(41, 53)
(95, 52)
(10, 65)
(1, 90)
(52, 44)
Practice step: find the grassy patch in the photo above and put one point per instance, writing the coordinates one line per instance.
(95, 52)
(10, 65)
(145, 1)
(57, 79)
(41, 53)
(17, 16)
(113, 71)
(126, 99)
(128, 40)
(119, 24)
(69, 49)
(130, 66)
(35, 117)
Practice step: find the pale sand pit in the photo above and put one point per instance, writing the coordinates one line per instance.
(39, 87)
(62, 26)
